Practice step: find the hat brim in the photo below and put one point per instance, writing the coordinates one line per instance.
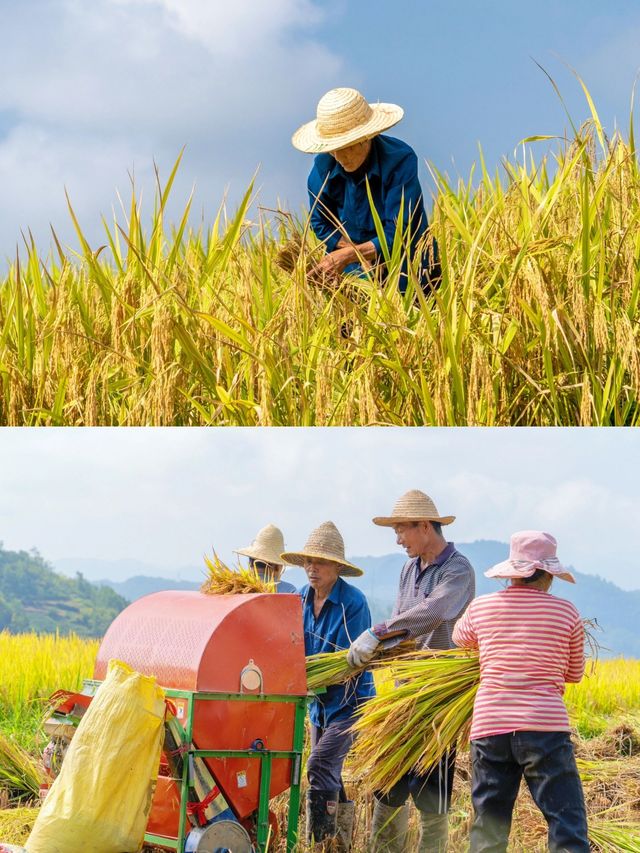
(298, 558)
(389, 521)
(513, 569)
(307, 138)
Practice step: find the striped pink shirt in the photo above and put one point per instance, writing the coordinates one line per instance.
(530, 644)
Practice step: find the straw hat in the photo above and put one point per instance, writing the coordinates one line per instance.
(414, 505)
(324, 543)
(530, 550)
(344, 117)
(268, 546)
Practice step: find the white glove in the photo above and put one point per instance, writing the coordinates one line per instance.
(362, 649)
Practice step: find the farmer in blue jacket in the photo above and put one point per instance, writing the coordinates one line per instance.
(355, 159)
(333, 613)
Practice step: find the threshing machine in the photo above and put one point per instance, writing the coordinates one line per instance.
(233, 667)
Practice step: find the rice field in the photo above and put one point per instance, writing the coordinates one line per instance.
(535, 322)
(32, 667)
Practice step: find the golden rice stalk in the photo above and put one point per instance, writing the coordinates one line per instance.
(16, 824)
(221, 580)
(429, 709)
(608, 770)
(327, 668)
(20, 776)
(614, 836)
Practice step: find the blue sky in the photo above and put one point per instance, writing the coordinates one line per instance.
(166, 496)
(90, 92)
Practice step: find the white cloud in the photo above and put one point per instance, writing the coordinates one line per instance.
(166, 496)
(92, 90)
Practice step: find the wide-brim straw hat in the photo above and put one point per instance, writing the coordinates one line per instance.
(268, 546)
(344, 117)
(414, 505)
(531, 550)
(324, 543)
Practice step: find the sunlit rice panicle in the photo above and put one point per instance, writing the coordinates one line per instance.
(221, 580)
(535, 321)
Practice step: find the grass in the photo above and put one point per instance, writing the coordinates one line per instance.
(536, 320)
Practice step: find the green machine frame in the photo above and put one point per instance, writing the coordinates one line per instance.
(264, 756)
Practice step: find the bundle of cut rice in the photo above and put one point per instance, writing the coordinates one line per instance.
(427, 712)
(221, 580)
(327, 668)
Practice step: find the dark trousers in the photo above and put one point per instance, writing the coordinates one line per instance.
(431, 793)
(549, 767)
(329, 748)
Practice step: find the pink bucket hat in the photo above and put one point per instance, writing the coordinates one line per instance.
(531, 550)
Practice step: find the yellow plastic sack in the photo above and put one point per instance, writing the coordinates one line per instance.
(100, 802)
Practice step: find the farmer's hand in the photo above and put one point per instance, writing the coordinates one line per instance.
(362, 649)
(333, 264)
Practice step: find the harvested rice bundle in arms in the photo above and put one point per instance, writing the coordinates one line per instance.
(412, 726)
(221, 580)
(327, 668)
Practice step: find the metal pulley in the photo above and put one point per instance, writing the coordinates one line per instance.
(222, 836)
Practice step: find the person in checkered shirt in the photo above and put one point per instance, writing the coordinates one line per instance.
(437, 583)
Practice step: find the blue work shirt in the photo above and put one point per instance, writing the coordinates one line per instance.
(344, 615)
(334, 194)
(285, 586)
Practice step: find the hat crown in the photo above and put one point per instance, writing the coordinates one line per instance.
(326, 540)
(269, 537)
(340, 111)
(415, 503)
(532, 546)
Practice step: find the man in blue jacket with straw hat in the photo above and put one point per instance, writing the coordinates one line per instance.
(333, 612)
(357, 167)
(437, 583)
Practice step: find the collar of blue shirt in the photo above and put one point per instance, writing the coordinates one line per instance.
(335, 596)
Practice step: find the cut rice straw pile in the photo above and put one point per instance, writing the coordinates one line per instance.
(221, 580)
(20, 776)
(16, 824)
(429, 710)
(614, 836)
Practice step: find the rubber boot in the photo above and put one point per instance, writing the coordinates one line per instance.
(389, 828)
(434, 830)
(346, 816)
(322, 814)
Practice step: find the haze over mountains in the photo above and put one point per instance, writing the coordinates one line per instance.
(616, 610)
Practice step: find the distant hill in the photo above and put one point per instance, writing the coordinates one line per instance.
(616, 610)
(119, 571)
(33, 597)
(141, 585)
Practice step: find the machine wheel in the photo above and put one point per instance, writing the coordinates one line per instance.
(219, 837)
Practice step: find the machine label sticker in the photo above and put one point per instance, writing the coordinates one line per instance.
(241, 778)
